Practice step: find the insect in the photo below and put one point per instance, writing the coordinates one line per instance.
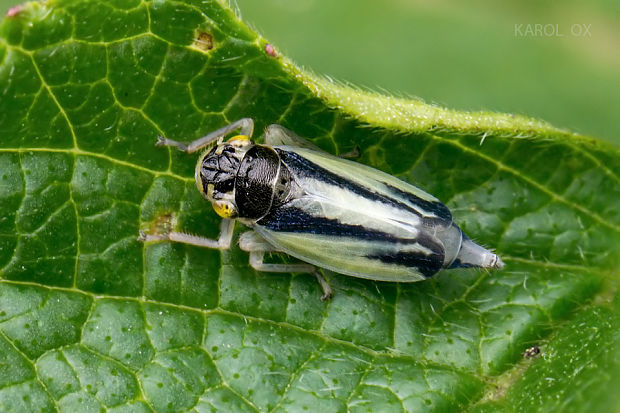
(326, 211)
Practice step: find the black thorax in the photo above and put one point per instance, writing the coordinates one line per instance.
(262, 181)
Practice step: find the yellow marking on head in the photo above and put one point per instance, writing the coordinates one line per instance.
(224, 209)
(239, 138)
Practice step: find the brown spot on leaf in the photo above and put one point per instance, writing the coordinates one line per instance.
(203, 41)
(531, 352)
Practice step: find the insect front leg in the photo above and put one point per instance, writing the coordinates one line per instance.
(246, 126)
(257, 247)
(222, 243)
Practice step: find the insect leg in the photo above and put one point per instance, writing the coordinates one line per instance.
(254, 244)
(327, 290)
(352, 154)
(278, 135)
(246, 126)
(222, 243)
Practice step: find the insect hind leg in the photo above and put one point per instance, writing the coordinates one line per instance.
(257, 247)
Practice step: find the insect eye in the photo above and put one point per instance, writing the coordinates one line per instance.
(223, 183)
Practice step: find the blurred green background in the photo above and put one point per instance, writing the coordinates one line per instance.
(475, 55)
(464, 55)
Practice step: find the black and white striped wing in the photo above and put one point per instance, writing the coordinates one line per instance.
(359, 221)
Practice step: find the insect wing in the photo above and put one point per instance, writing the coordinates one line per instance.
(356, 220)
(368, 178)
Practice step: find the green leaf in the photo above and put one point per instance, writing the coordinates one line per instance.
(92, 319)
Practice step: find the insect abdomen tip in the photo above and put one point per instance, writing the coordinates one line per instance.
(473, 255)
